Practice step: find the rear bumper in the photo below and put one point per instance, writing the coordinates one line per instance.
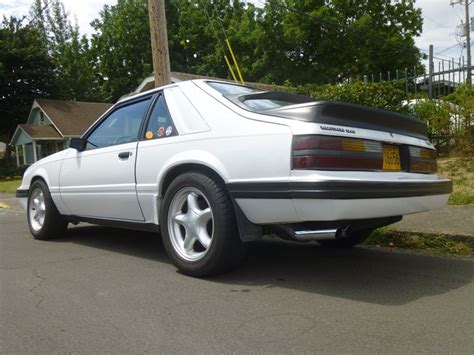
(270, 203)
(340, 190)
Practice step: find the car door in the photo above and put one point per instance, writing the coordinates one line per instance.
(157, 145)
(99, 182)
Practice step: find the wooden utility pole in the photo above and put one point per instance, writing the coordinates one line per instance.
(430, 72)
(159, 42)
(468, 42)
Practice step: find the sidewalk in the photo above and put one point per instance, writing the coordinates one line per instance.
(453, 220)
(10, 202)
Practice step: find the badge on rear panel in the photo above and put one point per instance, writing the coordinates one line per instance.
(169, 130)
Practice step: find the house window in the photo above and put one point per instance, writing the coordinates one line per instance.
(41, 119)
(20, 154)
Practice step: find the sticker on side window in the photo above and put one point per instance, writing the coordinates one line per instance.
(161, 132)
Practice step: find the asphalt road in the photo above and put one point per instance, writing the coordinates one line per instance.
(103, 290)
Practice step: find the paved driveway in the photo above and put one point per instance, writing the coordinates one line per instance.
(106, 290)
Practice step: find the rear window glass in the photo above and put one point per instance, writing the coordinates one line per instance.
(266, 104)
(257, 100)
(231, 89)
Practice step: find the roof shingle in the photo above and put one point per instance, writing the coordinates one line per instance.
(40, 131)
(72, 118)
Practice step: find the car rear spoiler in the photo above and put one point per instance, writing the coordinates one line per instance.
(336, 113)
(351, 115)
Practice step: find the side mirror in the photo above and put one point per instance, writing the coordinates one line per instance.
(78, 143)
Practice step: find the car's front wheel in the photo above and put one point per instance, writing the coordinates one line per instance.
(198, 226)
(44, 220)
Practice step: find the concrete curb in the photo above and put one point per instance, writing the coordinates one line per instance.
(463, 238)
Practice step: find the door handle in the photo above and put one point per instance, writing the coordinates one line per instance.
(124, 155)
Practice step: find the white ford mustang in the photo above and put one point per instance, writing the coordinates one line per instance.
(213, 165)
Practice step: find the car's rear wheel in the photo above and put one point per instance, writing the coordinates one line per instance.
(44, 220)
(198, 226)
(349, 241)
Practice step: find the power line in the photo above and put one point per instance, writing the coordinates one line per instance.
(448, 48)
(434, 56)
(231, 70)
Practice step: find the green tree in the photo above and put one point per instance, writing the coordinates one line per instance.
(121, 41)
(26, 72)
(69, 51)
(122, 47)
(338, 40)
(311, 41)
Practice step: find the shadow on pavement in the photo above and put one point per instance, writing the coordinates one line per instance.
(371, 275)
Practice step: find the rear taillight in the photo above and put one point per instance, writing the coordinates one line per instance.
(337, 153)
(422, 160)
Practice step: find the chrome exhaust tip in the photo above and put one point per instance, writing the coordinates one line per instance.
(315, 235)
(310, 235)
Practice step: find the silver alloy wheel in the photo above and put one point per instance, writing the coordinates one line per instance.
(36, 209)
(190, 224)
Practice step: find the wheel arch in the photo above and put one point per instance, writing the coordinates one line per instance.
(37, 174)
(247, 230)
(50, 180)
(36, 178)
(178, 169)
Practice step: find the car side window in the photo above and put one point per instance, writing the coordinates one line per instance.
(121, 126)
(160, 124)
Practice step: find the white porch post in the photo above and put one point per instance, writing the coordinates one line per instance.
(24, 154)
(35, 154)
(17, 156)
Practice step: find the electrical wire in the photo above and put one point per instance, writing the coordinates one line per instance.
(229, 65)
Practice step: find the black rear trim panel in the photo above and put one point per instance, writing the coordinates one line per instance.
(338, 190)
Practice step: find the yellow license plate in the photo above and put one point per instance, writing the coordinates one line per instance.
(391, 158)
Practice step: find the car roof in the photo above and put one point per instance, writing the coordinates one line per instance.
(152, 91)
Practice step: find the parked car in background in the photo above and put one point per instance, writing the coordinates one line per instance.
(212, 165)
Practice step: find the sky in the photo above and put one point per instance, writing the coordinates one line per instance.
(439, 28)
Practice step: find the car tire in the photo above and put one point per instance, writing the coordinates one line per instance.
(198, 226)
(44, 220)
(351, 240)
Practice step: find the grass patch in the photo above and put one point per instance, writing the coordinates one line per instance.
(461, 171)
(9, 186)
(431, 243)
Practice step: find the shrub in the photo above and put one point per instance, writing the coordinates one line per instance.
(437, 115)
(463, 123)
(387, 96)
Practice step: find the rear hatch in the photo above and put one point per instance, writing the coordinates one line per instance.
(331, 150)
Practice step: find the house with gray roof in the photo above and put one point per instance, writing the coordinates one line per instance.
(50, 126)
